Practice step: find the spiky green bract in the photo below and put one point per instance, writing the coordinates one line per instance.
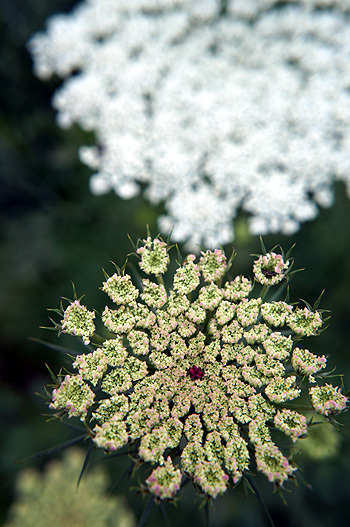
(199, 381)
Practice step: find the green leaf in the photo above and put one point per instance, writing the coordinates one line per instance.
(137, 276)
(179, 259)
(232, 257)
(57, 311)
(257, 493)
(122, 270)
(317, 303)
(54, 449)
(165, 516)
(132, 243)
(52, 375)
(85, 464)
(307, 304)
(168, 240)
(263, 248)
(206, 513)
(146, 512)
(55, 347)
(105, 275)
(287, 255)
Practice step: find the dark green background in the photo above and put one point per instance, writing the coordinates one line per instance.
(53, 230)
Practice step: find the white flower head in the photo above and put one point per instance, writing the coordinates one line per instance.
(212, 106)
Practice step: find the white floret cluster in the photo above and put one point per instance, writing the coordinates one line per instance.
(210, 105)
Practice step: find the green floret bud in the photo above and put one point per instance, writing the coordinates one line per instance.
(186, 278)
(178, 348)
(271, 462)
(212, 351)
(253, 377)
(306, 363)
(269, 269)
(275, 313)
(242, 354)
(238, 289)
(177, 304)
(248, 311)
(304, 322)
(152, 446)
(117, 381)
(257, 334)
(136, 368)
(269, 367)
(192, 456)
(211, 478)
(196, 312)
(228, 429)
(144, 317)
(115, 352)
(212, 265)
(278, 346)
(92, 366)
(174, 428)
(236, 458)
(78, 321)
(165, 481)
(120, 289)
(209, 297)
(118, 321)
(74, 396)
(153, 295)
(213, 447)
(291, 423)
(328, 399)
(154, 256)
(193, 429)
(225, 312)
(280, 389)
(186, 328)
(260, 408)
(232, 333)
(259, 433)
(112, 435)
(117, 406)
(139, 341)
(239, 409)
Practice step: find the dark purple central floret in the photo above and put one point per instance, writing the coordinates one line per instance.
(195, 372)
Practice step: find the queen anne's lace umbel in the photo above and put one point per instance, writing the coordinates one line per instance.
(213, 105)
(199, 381)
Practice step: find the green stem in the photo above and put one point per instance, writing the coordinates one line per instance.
(206, 513)
(264, 291)
(160, 280)
(98, 338)
(88, 429)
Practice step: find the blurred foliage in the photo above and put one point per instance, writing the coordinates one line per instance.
(53, 499)
(52, 230)
(322, 442)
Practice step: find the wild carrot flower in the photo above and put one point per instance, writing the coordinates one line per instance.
(208, 106)
(198, 381)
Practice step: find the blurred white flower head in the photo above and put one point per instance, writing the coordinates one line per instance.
(212, 105)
